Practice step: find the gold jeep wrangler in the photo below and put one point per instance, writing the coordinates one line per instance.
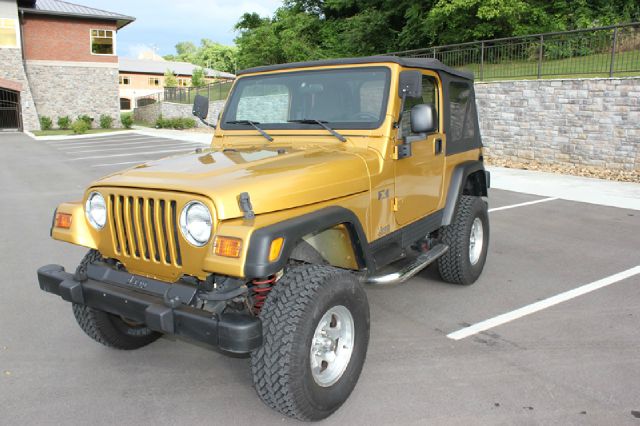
(321, 176)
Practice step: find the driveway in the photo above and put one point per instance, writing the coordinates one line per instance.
(532, 357)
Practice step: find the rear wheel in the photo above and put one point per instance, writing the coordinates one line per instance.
(468, 239)
(316, 333)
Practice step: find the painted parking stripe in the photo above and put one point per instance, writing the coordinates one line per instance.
(117, 164)
(97, 136)
(129, 154)
(99, 141)
(96, 139)
(116, 144)
(147, 146)
(528, 203)
(542, 304)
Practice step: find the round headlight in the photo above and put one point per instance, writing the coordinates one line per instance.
(196, 223)
(96, 210)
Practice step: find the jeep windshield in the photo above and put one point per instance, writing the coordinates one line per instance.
(354, 98)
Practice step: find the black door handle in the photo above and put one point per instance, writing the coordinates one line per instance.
(438, 146)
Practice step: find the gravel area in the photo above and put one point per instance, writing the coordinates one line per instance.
(584, 171)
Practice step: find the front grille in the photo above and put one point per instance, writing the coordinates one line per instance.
(145, 228)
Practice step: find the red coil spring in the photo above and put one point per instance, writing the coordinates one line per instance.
(261, 289)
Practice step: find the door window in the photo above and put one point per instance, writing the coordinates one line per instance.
(429, 96)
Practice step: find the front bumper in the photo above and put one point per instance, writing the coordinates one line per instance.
(159, 305)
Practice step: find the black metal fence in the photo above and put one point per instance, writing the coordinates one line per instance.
(185, 95)
(602, 51)
(9, 109)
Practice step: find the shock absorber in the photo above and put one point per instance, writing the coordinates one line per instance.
(261, 289)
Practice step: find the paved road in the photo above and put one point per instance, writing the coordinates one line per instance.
(573, 363)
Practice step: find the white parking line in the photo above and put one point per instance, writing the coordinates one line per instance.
(528, 203)
(129, 154)
(117, 164)
(148, 145)
(86, 142)
(542, 304)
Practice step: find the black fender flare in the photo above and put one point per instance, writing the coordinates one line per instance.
(456, 186)
(257, 263)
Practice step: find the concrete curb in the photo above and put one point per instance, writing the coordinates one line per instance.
(624, 195)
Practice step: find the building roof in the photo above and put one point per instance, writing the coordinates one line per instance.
(148, 66)
(425, 63)
(63, 8)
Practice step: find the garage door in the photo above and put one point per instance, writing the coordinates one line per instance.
(9, 110)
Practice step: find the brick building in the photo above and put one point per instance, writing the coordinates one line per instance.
(57, 59)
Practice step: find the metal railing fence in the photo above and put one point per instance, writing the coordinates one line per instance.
(612, 50)
(185, 95)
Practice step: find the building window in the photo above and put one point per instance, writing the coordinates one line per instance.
(125, 104)
(154, 81)
(183, 82)
(8, 33)
(125, 80)
(103, 42)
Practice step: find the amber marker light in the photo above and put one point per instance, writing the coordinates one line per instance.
(227, 246)
(276, 247)
(63, 220)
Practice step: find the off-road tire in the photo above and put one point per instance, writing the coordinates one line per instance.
(454, 266)
(105, 328)
(281, 368)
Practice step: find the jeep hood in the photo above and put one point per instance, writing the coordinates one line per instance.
(276, 179)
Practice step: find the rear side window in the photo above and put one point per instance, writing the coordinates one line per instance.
(461, 111)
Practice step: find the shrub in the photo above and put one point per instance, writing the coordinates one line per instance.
(80, 127)
(86, 119)
(106, 121)
(45, 123)
(178, 123)
(127, 120)
(161, 123)
(64, 122)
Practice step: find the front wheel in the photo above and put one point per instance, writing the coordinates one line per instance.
(468, 239)
(316, 333)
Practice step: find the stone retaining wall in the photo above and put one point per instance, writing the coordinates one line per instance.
(578, 122)
(150, 113)
(72, 89)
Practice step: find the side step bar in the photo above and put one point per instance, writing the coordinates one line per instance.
(408, 270)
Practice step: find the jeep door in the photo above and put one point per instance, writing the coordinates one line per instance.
(419, 177)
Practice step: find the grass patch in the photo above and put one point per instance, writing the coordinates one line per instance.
(69, 132)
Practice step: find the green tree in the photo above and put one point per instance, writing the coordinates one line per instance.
(197, 77)
(209, 54)
(315, 29)
(170, 79)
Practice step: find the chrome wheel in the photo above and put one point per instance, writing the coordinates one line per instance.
(332, 346)
(476, 240)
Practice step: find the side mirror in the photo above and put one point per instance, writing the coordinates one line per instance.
(411, 84)
(424, 119)
(201, 107)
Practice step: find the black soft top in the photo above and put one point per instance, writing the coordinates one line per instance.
(425, 63)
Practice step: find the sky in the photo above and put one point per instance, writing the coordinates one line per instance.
(160, 24)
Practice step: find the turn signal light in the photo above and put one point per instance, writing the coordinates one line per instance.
(227, 246)
(63, 220)
(276, 247)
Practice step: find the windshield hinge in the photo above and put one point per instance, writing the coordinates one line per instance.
(395, 204)
(244, 202)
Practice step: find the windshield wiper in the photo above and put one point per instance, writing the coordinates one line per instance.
(253, 124)
(322, 124)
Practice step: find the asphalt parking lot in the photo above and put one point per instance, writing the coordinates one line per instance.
(574, 362)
